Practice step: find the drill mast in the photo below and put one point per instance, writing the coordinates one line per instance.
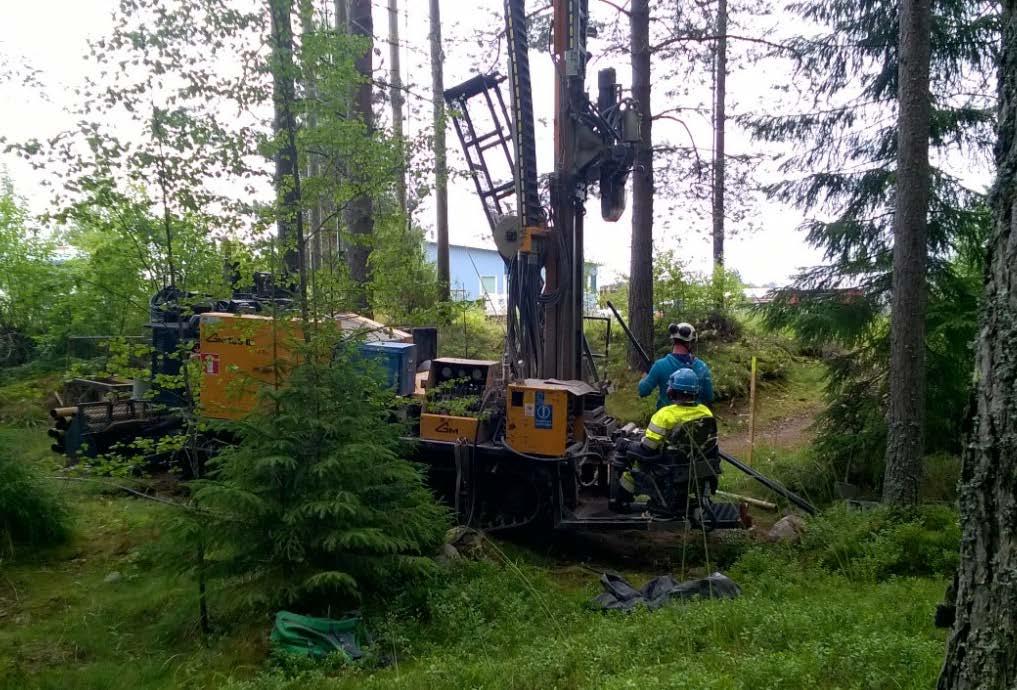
(543, 248)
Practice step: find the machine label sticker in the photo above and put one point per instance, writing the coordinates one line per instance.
(445, 427)
(542, 413)
(528, 409)
(210, 363)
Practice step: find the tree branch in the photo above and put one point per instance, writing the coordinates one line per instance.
(715, 37)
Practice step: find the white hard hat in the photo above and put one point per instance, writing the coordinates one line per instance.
(685, 332)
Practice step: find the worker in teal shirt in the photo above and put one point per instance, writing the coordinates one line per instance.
(683, 335)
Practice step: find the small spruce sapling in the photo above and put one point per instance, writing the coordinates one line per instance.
(316, 505)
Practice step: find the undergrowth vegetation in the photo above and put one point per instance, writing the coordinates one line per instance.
(514, 626)
(878, 544)
(31, 511)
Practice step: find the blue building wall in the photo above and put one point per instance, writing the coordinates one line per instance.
(470, 268)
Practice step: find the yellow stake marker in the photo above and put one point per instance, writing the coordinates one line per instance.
(752, 410)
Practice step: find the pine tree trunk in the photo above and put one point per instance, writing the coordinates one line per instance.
(641, 262)
(906, 416)
(982, 647)
(360, 215)
(332, 244)
(284, 122)
(720, 135)
(314, 232)
(440, 162)
(396, 97)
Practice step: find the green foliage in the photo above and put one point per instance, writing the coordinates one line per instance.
(873, 545)
(448, 398)
(681, 295)
(731, 362)
(522, 623)
(842, 173)
(513, 626)
(314, 504)
(30, 277)
(31, 511)
(852, 430)
(23, 399)
(404, 285)
(467, 331)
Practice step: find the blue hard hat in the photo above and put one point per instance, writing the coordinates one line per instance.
(684, 381)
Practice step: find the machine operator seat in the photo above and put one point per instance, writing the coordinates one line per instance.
(690, 463)
(695, 440)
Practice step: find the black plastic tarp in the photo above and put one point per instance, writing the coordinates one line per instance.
(619, 595)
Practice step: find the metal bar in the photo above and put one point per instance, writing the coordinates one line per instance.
(590, 359)
(632, 339)
(771, 484)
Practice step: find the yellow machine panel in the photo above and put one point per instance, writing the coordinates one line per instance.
(240, 355)
(544, 417)
(444, 427)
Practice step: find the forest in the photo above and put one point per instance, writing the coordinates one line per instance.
(508, 344)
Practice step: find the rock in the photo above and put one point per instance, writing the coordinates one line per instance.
(466, 542)
(450, 552)
(788, 530)
(113, 578)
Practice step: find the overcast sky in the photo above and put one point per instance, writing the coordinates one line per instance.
(52, 37)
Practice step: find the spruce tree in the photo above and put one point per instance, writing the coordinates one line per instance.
(843, 174)
(316, 504)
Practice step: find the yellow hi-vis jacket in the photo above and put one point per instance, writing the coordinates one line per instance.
(667, 418)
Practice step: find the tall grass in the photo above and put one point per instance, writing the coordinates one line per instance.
(31, 512)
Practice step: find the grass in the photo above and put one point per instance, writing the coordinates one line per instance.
(848, 609)
(490, 627)
(523, 623)
(67, 626)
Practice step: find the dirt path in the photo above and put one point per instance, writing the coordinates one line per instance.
(792, 431)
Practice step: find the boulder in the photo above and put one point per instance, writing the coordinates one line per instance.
(467, 542)
(788, 530)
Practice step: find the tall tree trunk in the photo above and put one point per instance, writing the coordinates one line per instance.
(641, 262)
(906, 417)
(440, 162)
(719, 135)
(360, 215)
(982, 647)
(284, 122)
(396, 97)
(332, 245)
(314, 232)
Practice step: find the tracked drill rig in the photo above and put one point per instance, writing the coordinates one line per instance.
(537, 447)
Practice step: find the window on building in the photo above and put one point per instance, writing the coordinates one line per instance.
(489, 284)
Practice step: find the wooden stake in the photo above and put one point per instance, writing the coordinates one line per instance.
(766, 505)
(752, 411)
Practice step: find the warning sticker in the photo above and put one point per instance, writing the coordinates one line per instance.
(528, 409)
(210, 364)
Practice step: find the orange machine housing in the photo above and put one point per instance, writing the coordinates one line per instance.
(472, 377)
(545, 417)
(243, 353)
(240, 355)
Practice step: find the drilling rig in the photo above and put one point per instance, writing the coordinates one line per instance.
(536, 445)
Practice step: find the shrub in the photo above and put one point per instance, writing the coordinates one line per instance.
(314, 505)
(880, 543)
(31, 513)
(467, 331)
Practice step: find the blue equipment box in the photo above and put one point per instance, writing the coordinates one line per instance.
(399, 361)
